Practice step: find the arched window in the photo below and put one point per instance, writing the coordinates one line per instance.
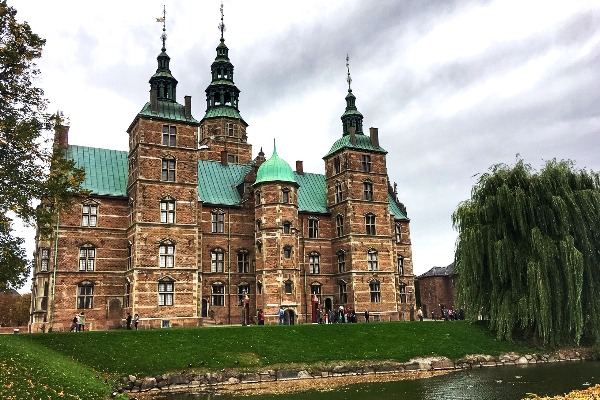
(314, 260)
(339, 225)
(341, 261)
(166, 254)
(87, 257)
(217, 260)
(287, 227)
(372, 260)
(85, 295)
(375, 290)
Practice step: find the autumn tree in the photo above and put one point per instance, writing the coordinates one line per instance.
(528, 252)
(26, 155)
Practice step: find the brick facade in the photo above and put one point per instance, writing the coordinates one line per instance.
(436, 288)
(162, 251)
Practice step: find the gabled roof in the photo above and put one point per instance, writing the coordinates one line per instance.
(312, 193)
(439, 271)
(363, 142)
(217, 183)
(105, 170)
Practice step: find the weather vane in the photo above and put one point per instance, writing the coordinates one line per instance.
(164, 34)
(222, 24)
(348, 79)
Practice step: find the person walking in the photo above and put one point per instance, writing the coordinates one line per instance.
(367, 316)
(281, 313)
(420, 314)
(74, 323)
(136, 320)
(128, 321)
(81, 322)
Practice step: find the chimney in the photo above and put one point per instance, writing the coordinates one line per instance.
(153, 101)
(352, 131)
(374, 133)
(188, 107)
(224, 157)
(300, 167)
(61, 136)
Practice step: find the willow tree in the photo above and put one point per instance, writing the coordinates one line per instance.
(528, 252)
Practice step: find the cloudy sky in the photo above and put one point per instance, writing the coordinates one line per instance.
(454, 87)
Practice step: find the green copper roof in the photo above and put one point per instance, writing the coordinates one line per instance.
(167, 110)
(105, 170)
(362, 143)
(223, 111)
(222, 82)
(394, 209)
(275, 169)
(217, 183)
(312, 193)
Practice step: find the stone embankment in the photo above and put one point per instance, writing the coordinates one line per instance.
(188, 381)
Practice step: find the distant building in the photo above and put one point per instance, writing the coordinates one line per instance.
(436, 290)
(187, 228)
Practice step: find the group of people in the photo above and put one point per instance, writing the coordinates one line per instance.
(78, 323)
(340, 316)
(135, 319)
(447, 314)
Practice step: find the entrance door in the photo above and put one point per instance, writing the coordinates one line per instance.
(328, 303)
(204, 308)
(288, 317)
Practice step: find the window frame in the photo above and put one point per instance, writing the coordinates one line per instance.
(338, 194)
(375, 291)
(44, 259)
(217, 221)
(402, 292)
(243, 261)
(242, 294)
(166, 293)
(287, 227)
(372, 260)
(313, 228)
(288, 287)
(370, 227)
(166, 254)
(287, 251)
(85, 296)
(368, 190)
(317, 290)
(89, 215)
(217, 260)
(285, 195)
(398, 232)
(167, 211)
(169, 136)
(339, 225)
(168, 169)
(341, 261)
(400, 264)
(87, 255)
(366, 163)
(314, 262)
(343, 292)
(217, 294)
(337, 165)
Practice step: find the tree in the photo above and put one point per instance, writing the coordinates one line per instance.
(26, 157)
(528, 252)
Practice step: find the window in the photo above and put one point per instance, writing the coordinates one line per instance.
(314, 263)
(89, 215)
(339, 225)
(366, 162)
(285, 195)
(167, 211)
(232, 158)
(398, 233)
(370, 224)
(217, 260)
(372, 260)
(168, 136)
(243, 261)
(343, 293)
(315, 289)
(338, 192)
(287, 287)
(368, 190)
(336, 165)
(313, 228)
(341, 261)
(218, 221)
(44, 259)
(400, 265)
(166, 255)
(402, 293)
(287, 251)
(229, 129)
(257, 196)
(218, 294)
(165, 293)
(375, 291)
(87, 258)
(85, 295)
(287, 227)
(168, 170)
(243, 291)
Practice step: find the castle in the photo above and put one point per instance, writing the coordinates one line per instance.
(187, 228)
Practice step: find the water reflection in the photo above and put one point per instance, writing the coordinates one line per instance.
(491, 383)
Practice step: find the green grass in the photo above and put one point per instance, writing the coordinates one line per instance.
(66, 361)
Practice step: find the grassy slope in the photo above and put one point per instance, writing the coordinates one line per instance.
(29, 370)
(152, 352)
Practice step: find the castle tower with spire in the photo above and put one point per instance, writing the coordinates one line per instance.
(187, 228)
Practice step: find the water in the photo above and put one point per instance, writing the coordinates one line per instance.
(490, 383)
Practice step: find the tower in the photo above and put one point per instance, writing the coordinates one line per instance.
(162, 185)
(223, 130)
